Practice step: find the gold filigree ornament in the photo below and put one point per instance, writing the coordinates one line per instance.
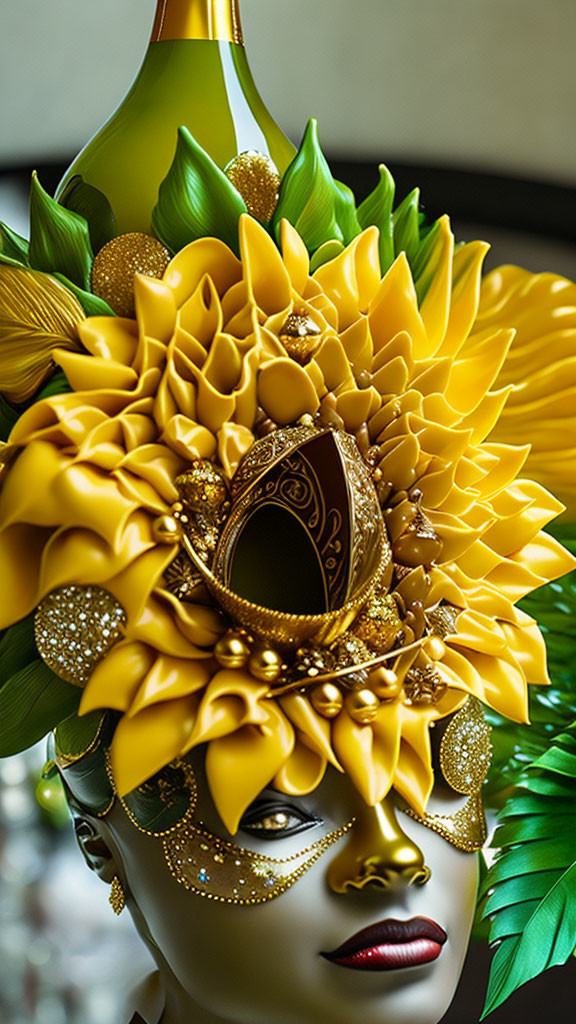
(303, 506)
(75, 627)
(117, 897)
(37, 316)
(465, 756)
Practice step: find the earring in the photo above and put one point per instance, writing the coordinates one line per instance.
(117, 897)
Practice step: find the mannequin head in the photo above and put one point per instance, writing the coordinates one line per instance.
(263, 963)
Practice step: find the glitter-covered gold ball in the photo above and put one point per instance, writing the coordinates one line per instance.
(231, 651)
(327, 700)
(362, 706)
(379, 624)
(203, 487)
(256, 178)
(118, 261)
(265, 665)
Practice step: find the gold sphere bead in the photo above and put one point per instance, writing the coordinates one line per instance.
(256, 178)
(114, 267)
(166, 530)
(306, 420)
(327, 700)
(377, 475)
(435, 648)
(362, 706)
(385, 683)
(231, 651)
(265, 665)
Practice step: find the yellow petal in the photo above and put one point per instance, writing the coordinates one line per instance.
(286, 392)
(240, 766)
(144, 744)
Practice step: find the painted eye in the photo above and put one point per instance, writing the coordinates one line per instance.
(274, 821)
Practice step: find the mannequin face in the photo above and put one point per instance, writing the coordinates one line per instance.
(262, 964)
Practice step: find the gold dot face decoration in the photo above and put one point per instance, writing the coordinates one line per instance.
(465, 756)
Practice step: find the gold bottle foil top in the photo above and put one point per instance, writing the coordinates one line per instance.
(198, 19)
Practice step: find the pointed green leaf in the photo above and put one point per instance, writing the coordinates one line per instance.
(9, 414)
(518, 890)
(92, 305)
(196, 199)
(17, 648)
(13, 248)
(377, 209)
(93, 206)
(320, 208)
(328, 251)
(32, 703)
(548, 940)
(531, 827)
(57, 385)
(407, 225)
(75, 735)
(59, 239)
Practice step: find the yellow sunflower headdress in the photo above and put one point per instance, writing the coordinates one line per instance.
(270, 507)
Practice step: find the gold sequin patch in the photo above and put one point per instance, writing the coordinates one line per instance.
(256, 178)
(75, 627)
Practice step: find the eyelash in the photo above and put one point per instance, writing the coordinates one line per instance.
(254, 821)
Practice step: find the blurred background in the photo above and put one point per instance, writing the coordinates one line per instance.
(472, 100)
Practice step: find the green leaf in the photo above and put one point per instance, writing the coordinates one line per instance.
(57, 385)
(547, 940)
(13, 248)
(92, 305)
(32, 703)
(17, 648)
(524, 888)
(377, 209)
(59, 239)
(406, 221)
(320, 208)
(196, 199)
(75, 735)
(9, 414)
(328, 251)
(93, 206)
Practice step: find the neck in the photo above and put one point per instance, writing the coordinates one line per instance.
(198, 19)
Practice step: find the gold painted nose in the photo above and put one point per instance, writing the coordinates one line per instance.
(378, 853)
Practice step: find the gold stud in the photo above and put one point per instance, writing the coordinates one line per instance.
(166, 530)
(265, 665)
(327, 700)
(117, 897)
(385, 683)
(231, 651)
(435, 648)
(256, 178)
(362, 706)
(114, 267)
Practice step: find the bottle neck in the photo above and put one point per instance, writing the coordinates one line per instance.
(198, 19)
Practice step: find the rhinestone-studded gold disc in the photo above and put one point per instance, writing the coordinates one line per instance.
(114, 267)
(256, 178)
(75, 627)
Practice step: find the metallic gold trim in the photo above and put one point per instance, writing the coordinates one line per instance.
(188, 813)
(348, 670)
(198, 19)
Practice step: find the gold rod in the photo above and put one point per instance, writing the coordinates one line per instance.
(347, 671)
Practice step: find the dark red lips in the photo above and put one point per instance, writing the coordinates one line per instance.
(391, 945)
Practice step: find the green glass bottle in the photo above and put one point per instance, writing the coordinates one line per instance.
(195, 73)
